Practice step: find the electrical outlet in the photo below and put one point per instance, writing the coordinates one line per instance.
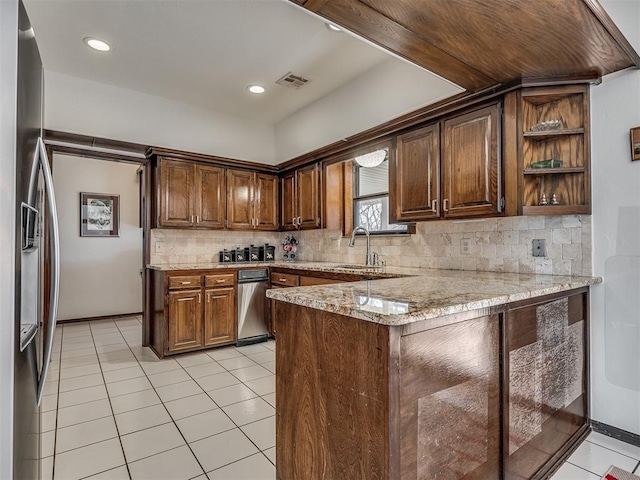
(465, 246)
(539, 247)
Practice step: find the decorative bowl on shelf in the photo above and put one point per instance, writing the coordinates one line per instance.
(546, 126)
(549, 163)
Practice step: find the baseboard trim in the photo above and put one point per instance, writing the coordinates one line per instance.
(615, 432)
(102, 317)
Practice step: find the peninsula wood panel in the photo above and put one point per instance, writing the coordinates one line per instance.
(332, 396)
(219, 316)
(471, 166)
(176, 193)
(185, 327)
(546, 364)
(415, 177)
(526, 44)
(266, 201)
(239, 199)
(210, 196)
(450, 402)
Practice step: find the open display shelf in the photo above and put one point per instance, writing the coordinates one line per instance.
(568, 108)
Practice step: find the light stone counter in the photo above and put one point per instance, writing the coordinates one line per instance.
(399, 295)
(385, 272)
(426, 294)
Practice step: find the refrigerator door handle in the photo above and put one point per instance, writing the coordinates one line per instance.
(55, 266)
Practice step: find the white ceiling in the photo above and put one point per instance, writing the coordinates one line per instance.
(203, 52)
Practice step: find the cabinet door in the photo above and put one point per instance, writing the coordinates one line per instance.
(185, 320)
(415, 176)
(471, 167)
(219, 316)
(545, 363)
(240, 199)
(266, 201)
(308, 197)
(210, 196)
(288, 213)
(176, 193)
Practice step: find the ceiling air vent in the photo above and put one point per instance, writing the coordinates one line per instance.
(292, 81)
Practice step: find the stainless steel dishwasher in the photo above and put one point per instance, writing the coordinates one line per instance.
(252, 301)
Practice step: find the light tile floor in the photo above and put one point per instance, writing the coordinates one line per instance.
(592, 459)
(112, 410)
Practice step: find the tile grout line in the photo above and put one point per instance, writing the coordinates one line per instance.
(113, 416)
(180, 366)
(612, 450)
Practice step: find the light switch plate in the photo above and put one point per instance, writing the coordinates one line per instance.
(539, 247)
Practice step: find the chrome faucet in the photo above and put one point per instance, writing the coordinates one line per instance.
(352, 242)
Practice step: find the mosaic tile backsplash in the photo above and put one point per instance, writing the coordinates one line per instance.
(492, 244)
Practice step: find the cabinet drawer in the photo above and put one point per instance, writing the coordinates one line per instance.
(309, 281)
(185, 281)
(220, 280)
(284, 279)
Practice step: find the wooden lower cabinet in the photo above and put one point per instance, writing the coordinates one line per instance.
(492, 394)
(185, 312)
(191, 310)
(219, 316)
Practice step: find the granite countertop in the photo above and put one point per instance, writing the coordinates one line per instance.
(385, 272)
(427, 295)
(399, 295)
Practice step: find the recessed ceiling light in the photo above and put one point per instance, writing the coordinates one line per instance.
(255, 89)
(332, 27)
(96, 44)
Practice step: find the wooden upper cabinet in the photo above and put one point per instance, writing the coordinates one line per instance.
(185, 327)
(307, 196)
(210, 200)
(415, 177)
(300, 200)
(252, 200)
(288, 217)
(176, 193)
(191, 195)
(266, 201)
(471, 166)
(239, 199)
(219, 316)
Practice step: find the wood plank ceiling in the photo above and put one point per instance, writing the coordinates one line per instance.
(484, 44)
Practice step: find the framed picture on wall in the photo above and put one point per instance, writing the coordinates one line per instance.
(99, 215)
(635, 143)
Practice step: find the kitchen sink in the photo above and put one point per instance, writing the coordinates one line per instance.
(359, 267)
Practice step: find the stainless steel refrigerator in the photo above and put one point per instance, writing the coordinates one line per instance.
(29, 257)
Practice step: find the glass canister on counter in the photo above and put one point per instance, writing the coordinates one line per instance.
(241, 254)
(226, 256)
(267, 253)
(254, 253)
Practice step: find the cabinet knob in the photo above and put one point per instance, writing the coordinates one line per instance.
(445, 204)
(220, 281)
(434, 205)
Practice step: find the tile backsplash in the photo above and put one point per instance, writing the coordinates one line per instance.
(202, 246)
(492, 244)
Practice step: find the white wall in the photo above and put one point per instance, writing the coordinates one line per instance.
(81, 106)
(382, 93)
(615, 305)
(98, 275)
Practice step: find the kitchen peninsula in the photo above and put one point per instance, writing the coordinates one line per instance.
(438, 374)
